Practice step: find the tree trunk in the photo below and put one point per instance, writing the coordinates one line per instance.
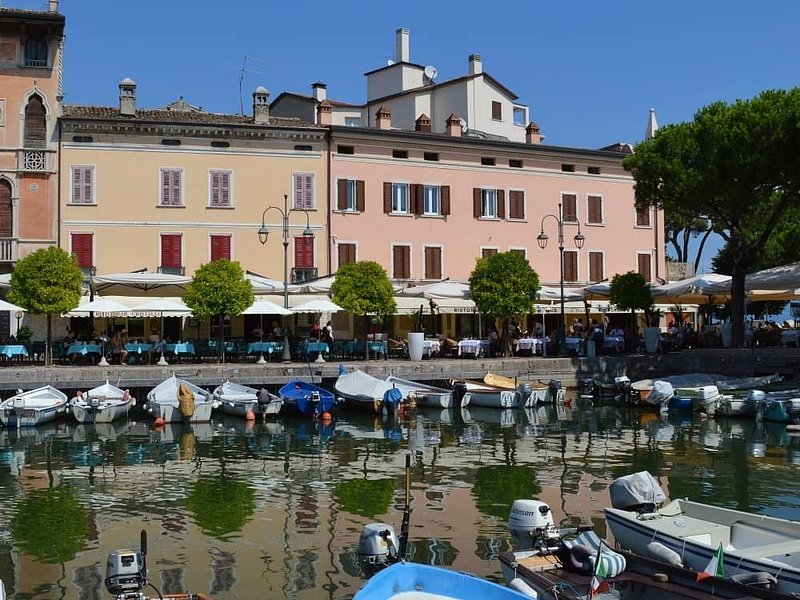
(738, 301)
(48, 353)
(222, 337)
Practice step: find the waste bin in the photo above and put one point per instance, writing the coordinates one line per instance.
(415, 340)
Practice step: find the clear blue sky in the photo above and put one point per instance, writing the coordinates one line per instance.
(589, 70)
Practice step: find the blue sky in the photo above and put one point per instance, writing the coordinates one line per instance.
(589, 70)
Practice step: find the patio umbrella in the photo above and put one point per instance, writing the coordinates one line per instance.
(263, 307)
(8, 306)
(316, 306)
(163, 307)
(141, 281)
(694, 290)
(440, 289)
(265, 285)
(105, 307)
(777, 278)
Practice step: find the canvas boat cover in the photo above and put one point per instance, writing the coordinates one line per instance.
(636, 489)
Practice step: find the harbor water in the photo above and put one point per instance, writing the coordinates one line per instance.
(274, 509)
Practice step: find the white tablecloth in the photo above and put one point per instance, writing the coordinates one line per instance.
(614, 342)
(533, 345)
(430, 347)
(473, 347)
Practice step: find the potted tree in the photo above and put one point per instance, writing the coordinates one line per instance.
(629, 291)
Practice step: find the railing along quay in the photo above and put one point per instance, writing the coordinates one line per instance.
(570, 370)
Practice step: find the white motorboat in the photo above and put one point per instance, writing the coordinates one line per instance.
(243, 401)
(492, 396)
(551, 393)
(690, 533)
(102, 404)
(34, 407)
(363, 391)
(428, 395)
(176, 400)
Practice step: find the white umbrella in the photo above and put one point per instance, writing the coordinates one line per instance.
(316, 306)
(163, 307)
(265, 307)
(777, 278)
(440, 289)
(8, 306)
(105, 306)
(553, 294)
(165, 283)
(265, 285)
(693, 290)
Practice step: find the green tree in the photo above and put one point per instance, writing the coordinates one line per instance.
(629, 291)
(363, 288)
(736, 164)
(47, 282)
(504, 285)
(219, 288)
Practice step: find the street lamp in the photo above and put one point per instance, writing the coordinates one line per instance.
(579, 240)
(263, 236)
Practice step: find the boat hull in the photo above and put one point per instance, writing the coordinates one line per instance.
(426, 396)
(307, 399)
(481, 394)
(163, 402)
(85, 413)
(34, 407)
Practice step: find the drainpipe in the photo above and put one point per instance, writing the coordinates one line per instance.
(329, 138)
(58, 186)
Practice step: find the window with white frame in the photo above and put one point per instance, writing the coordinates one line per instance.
(171, 187)
(432, 200)
(219, 184)
(303, 191)
(489, 203)
(352, 121)
(520, 116)
(400, 202)
(82, 184)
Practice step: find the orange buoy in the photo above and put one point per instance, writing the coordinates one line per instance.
(160, 422)
(326, 416)
(250, 415)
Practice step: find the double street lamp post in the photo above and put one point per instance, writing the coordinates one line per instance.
(579, 240)
(308, 237)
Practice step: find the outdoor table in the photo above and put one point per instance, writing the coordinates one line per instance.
(431, 348)
(82, 350)
(790, 337)
(9, 351)
(614, 342)
(306, 348)
(474, 348)
(267, 348)
(137, 349)
(180, 348)
(532, 345)
(573, 344)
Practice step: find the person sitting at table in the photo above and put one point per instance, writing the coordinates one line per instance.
(327, 334)
(277, 334)
(492, 335)
(538, 330)
(68, 340)
(156, 344)
(257, 334)
(315, 331)
(118, 346)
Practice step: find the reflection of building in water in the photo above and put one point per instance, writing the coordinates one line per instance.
(89, 581)
(172, 581)
(222, 568)
(305, 570)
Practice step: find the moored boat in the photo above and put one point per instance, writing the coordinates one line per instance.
(102, 404)
(308, 399)
(690, 533)
(176, 400)
(244, 401)
(426, 395)
(549, 393)
(491, 396)
(33, 407)
(365, 392)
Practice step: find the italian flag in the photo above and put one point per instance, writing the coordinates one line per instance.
(599, 583)
(715, 567)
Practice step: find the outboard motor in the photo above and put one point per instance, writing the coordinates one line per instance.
(377, 548)
(531, 525)
(757, 399)
(459, 391)
(587, 387)
(639, 492)
(625, 392)
(554, 387)
(526, 394)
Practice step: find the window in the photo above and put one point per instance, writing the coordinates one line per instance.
(521, 251)
(350, 195)
(515, 163)
(488, 203)
(82, 185)
(35, 52)
(220, 246)
(6, 210)
(401, 262)
(486, 252)
(170, 142)
(80, 139)
(595, 204)
(432, 200)
(304, 191)
(570, 266)
(643, 266)
(569, 208)
(345, 149)
(220, 144)
(171, 254)
(219, 189)
(395, 198)
(643, 217)
(35, 123)
(346, 252)
(433, 156)
(171, 187)
(399, 153)
(520, 116)
(516, 204)
(352, 121)
(83, 249)
(567, 168)
(497, 111)
(433, 262)
(303, 147)
(593, 170)
(596, 272)
(303, 252)
(488, 161)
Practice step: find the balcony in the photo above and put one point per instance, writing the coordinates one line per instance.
(88, 272)
(172, 270)
(33, 161)
(8, 250)
(304, 274)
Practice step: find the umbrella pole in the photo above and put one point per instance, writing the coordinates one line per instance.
(103, 362)
(162, 362)
(261, 360)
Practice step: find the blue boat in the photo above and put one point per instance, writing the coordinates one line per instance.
(411, 580)
(301, 397)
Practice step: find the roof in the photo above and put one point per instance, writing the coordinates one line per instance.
(160, 115)
(312, 99)
(19, 14)
(394, 64)
(463, 78)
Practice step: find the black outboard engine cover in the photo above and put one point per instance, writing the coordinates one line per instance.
(587, 387)
(554, 385)
(459, 391)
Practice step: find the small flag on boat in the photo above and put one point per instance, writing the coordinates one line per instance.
(715, 567)
(599, 583)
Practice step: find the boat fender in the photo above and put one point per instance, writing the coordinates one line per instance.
(79, 394)
(760, 579)
(125, 395)
(523, 588)
(580, 559)
(659, 551)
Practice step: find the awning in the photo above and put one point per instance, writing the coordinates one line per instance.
(408, 305)
(171, 307)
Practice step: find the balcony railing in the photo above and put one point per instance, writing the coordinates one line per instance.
(8, 250)
(33, 160)
(303, 275)
(172, 270)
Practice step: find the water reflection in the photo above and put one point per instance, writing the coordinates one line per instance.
(231, 507)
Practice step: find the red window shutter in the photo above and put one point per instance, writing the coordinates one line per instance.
(387, 196)
(304, 190)
(477, 209)
(445, 197)
(569, 207)
(303, 252)
(360, 196)
(643, 266)
(570, 266)
(341, 194)
(433, 263)
(82, 244)
(402, 262)
(486, 252)
(347, 254)
(171, 251)
(501, 204)
(220, 247)
(643, 217)
(6, 211)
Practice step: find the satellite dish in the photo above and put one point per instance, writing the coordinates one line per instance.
(463, 125)
(430, 72)
(389, 62)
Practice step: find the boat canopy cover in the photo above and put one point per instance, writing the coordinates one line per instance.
(633, 490)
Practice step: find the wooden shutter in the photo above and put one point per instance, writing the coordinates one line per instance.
(477, 209)
(341, 194)
(360, 196)
(444, 192)
(347, 254)
(304, 191)
(81, 185)
(433, 263)
(170, 187)
(35, 123)
(516, 204)
(643, 217)
(220, 247)
(596, 266)
(387, 196)
(501, 204)
(486, 252)
(82, 245)
(171, 251)
(569, 207)
(497, 111)
(6, 211)
(417, 200)
(401, 259)
(595, 209)
(643, 266)
(303, 252)
(220, 188)
(570, 266)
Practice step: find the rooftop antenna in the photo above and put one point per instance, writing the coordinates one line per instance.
(242, 71)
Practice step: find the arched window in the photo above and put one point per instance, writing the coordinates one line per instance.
(6, 213)
(35, 52)
(35, 128)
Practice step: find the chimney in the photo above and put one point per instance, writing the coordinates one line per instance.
(324, 113)
(532, 134)
(52, 6)
(475, 64)
(319, 90)
(383, 118)
(423, 124)
(401, 51)
(127, 97)
(261, 106)
(453, 128)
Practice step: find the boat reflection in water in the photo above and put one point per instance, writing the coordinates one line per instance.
(277, 506)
